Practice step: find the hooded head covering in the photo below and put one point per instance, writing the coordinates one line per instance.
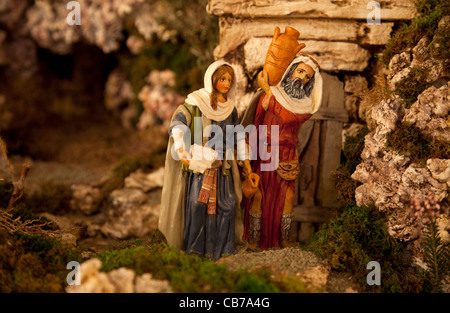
(306, 105)
(201, 97)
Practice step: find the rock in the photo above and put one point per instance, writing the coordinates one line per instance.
(70, 232)
(47, 25)
(431, 68)
(92, 280)
(123, 199)
(145, 182)
(398, 63)
(440, 170)
(418, 59)
(121, 280)
(100, 25)
(355, 84)
(386, 116)
(11, 12)
(443, 222)
(146, 284)
(158, 99)
(135, 44)
(389, 180)
(69, 239)
(118, 96)
(130, 214)
(430, 112)
(317, 276)
(85, 199)
(146, 21)
(355, 87)
(241, 88)
(351, 106)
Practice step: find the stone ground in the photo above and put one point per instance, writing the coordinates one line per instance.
(295, 262)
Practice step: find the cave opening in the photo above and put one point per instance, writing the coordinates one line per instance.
(59, 113)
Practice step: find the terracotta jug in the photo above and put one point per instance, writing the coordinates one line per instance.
(282, 51)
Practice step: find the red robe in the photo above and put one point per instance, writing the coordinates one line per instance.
(273, 188)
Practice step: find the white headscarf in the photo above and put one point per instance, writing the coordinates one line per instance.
(306, 105)
(201, 98)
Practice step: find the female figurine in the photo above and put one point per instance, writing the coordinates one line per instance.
(200, 211)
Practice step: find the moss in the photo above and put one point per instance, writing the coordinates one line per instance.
(52, 198)
(190, 273)
(34, 264)
(408, 35)
(341, 176)
(353, 239)
(409, 141)
(411, 86)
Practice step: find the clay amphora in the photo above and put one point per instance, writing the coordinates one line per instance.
(282, 51)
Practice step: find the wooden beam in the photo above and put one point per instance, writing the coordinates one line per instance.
(235, 31)
(390, 10)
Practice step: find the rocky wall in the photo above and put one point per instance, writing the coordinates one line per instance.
(393, 179)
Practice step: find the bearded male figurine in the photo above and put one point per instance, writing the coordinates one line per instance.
(286, 105)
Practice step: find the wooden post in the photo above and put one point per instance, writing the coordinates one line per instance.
(320, 150)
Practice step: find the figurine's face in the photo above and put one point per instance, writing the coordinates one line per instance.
(224, 83)
(304, 72)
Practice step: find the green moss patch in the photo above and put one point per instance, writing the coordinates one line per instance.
(190, 273)
(409, 34)
(34, 263)
(356, 237)
(411, 86)
(409, 141)
(341, 176)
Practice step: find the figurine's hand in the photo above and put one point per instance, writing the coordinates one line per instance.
(216, 164)
(263, 80)
(184, 156)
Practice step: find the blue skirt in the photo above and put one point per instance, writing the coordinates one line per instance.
(206, 234)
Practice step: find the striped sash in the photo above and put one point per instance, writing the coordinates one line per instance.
(208, 193)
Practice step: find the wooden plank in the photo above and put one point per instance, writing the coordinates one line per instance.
(235, 31)
(331, 138)
(313, 214)
(390, 10)
(309, 167)
(327, 114)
